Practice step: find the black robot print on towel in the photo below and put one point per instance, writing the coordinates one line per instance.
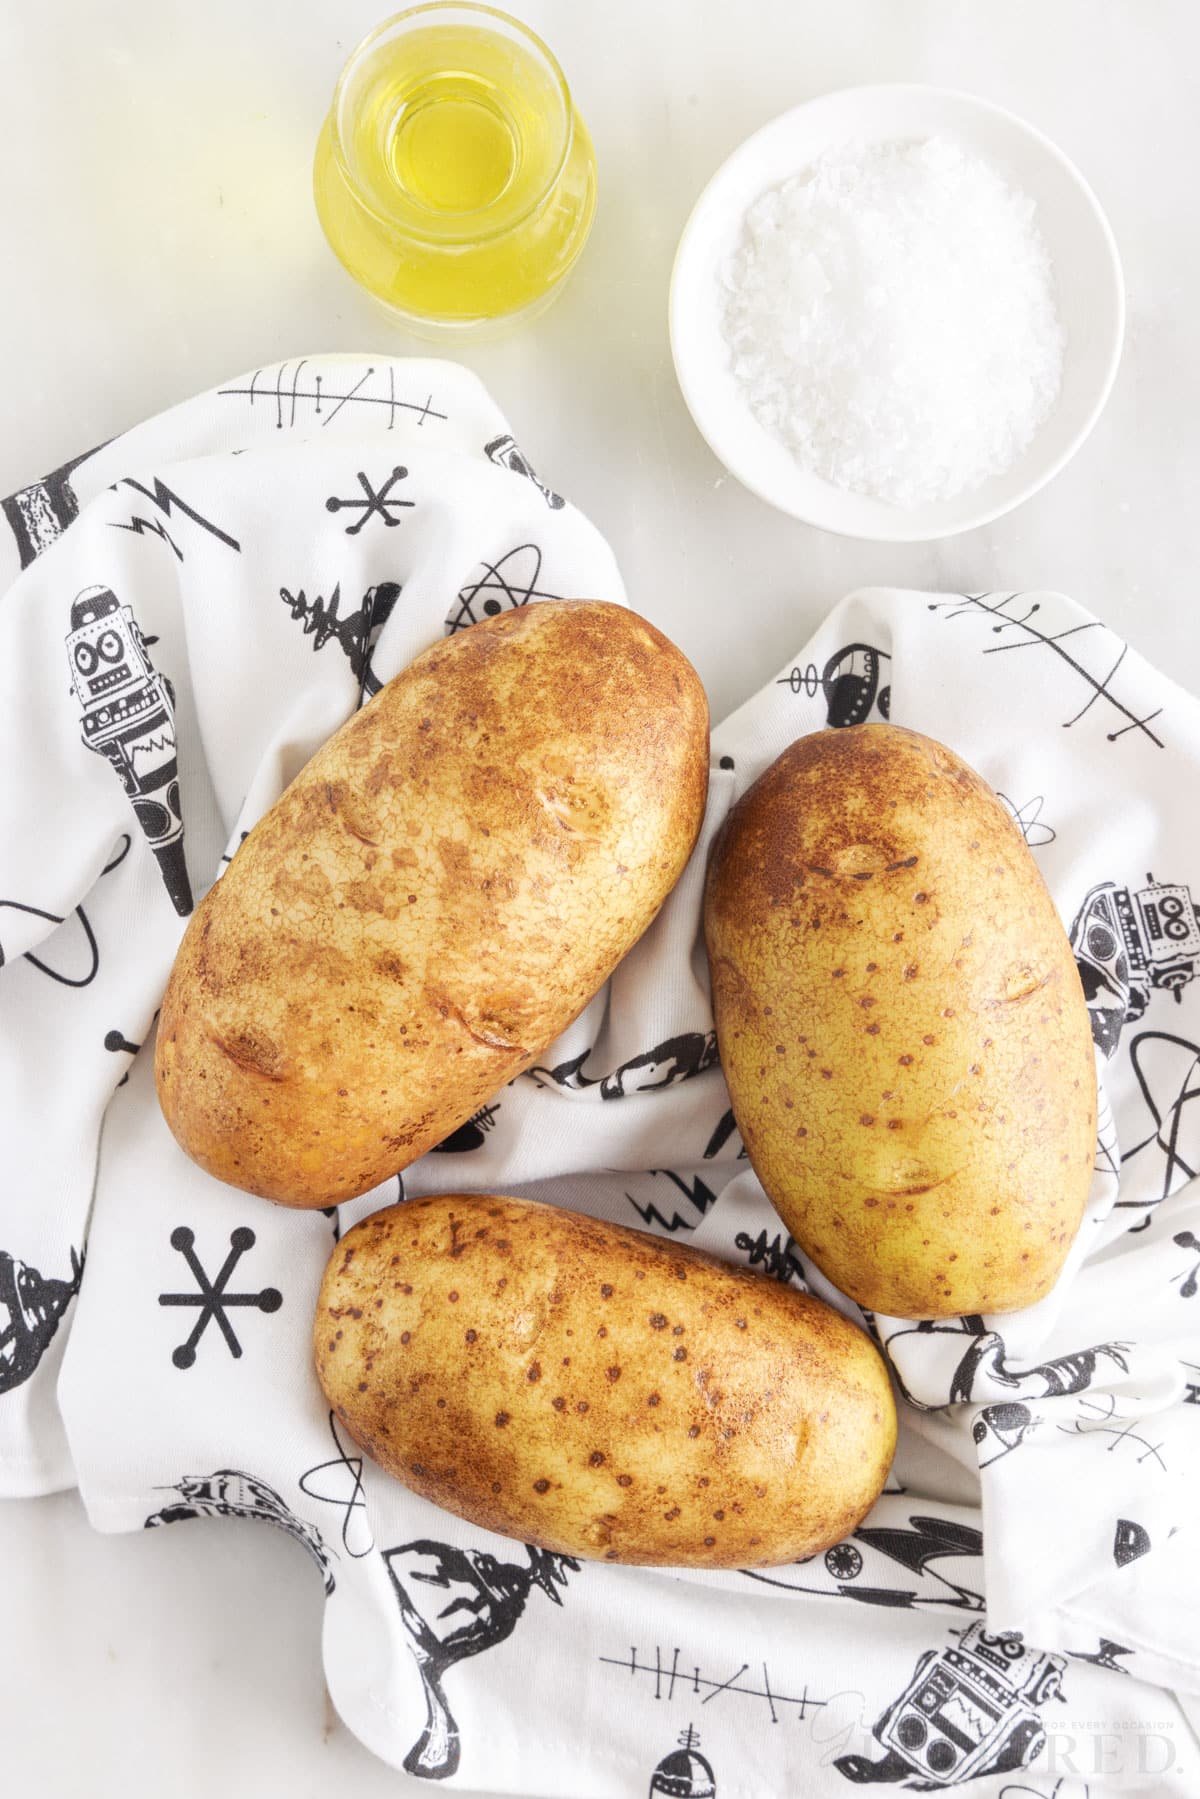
(128, 717)
(969, 1709)
(1129, 943)
(31, 1309)
(456, 1603)
(231, 1493)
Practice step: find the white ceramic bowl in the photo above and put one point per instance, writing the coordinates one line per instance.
(1091, 301)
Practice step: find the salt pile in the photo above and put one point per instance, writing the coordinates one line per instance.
(891, 318)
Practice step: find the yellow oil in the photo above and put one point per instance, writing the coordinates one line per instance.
(453, 177)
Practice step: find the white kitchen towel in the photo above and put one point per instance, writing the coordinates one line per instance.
(194, 608)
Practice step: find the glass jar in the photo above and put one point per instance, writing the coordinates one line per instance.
(453, 177)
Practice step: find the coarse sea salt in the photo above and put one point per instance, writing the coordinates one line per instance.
(890, 316)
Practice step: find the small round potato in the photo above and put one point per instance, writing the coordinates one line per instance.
(599, 1391)
(433, 900)
(902, 1025)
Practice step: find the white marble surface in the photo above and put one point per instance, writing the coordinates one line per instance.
(159, 236)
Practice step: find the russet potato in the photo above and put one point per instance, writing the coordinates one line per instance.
(599, 1391)
(901, 1025)
(435, 897)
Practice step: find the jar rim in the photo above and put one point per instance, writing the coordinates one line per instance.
(474, 233)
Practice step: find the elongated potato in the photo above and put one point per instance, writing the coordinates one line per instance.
(435, 897)
(901, 1025)
(599, 1391)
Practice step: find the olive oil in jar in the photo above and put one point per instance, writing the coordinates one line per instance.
(453, 177)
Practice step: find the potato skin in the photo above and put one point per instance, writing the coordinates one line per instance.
(901, 1025)
(435, 897)
(599, 1391)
